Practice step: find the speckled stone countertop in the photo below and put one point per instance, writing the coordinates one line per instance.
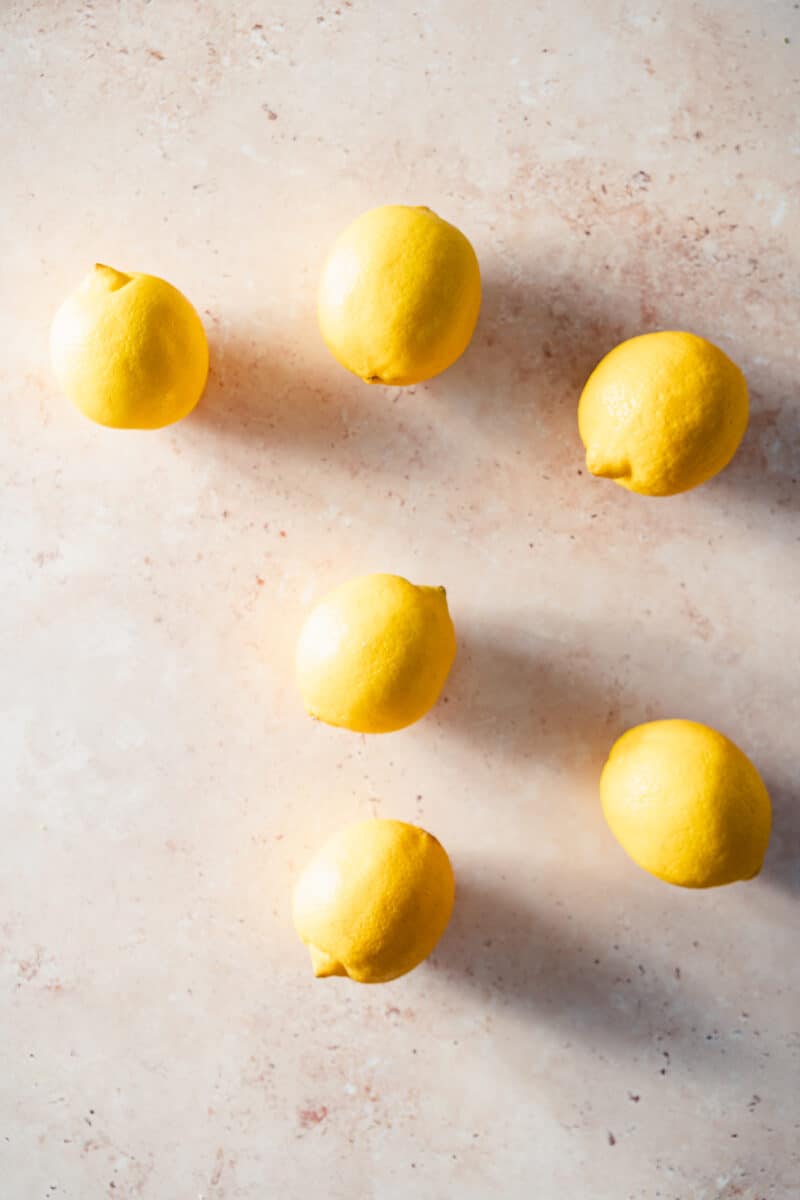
(582, 1031)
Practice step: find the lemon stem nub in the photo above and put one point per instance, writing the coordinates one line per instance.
(323, 964)
(108, 278)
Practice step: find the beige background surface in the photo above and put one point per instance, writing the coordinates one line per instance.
(583, 1031)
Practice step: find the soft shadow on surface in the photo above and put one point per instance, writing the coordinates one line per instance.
(545, 966)
(555, 325)
(530, 355)
(765, 470)
(519, 382)
(535, 345)
(538, 698)
(261, 395)
(782, 865)
(538, 340)
(563, 703)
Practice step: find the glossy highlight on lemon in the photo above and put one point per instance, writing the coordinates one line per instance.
(686, 804)
(399, 296)
(663, 413)
(374, 901)
(129, 350)
(374, 654)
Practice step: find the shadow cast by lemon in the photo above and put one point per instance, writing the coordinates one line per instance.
(596, 987)
(536, 343)
(532, 697)
(541, 334)
(259, 393)
(782, 864)
(765, 470)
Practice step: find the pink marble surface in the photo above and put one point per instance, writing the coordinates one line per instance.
(583, 1030)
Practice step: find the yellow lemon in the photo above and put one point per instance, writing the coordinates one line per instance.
(374, 901)
(686, 804)
(374, 654)
(129, 350)
(662, 413)
(399, 296)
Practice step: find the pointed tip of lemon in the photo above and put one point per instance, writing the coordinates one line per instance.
(605, 468)
(325, 964)
(108, 277)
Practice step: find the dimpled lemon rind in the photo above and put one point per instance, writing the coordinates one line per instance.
(662, 413)
(374, 654)
(399, 295)
(129, 350)
(374, 901)
(686, 804)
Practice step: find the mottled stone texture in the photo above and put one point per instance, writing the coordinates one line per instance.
(583, 1031)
